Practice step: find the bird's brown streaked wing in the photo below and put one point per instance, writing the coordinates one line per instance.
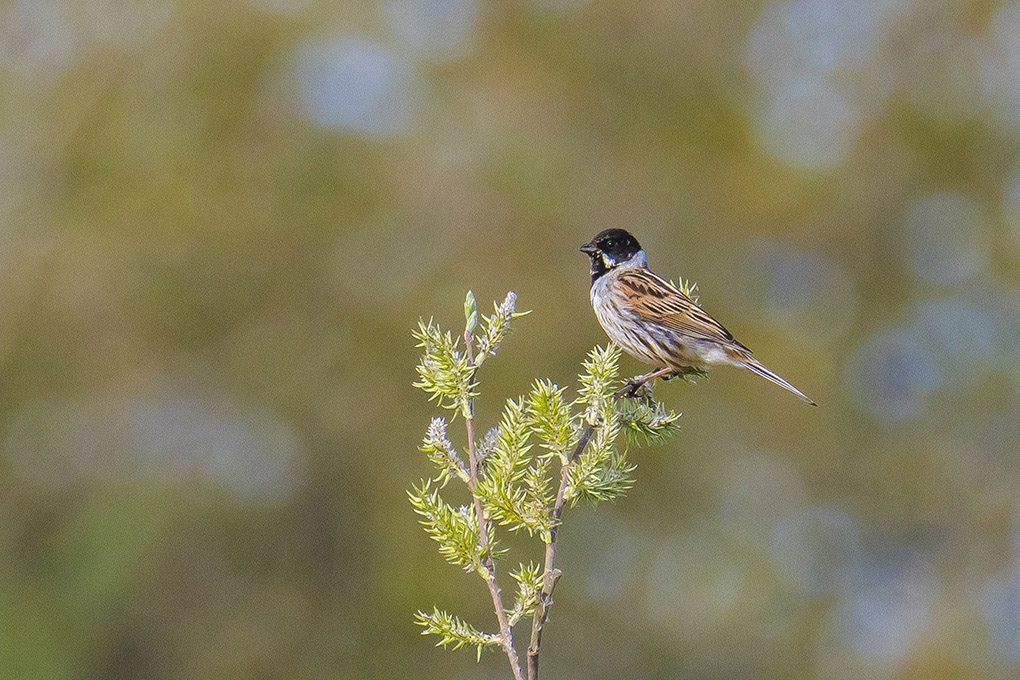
(656, 301)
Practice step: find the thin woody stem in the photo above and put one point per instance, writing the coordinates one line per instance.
(488, 570)
(543, 599)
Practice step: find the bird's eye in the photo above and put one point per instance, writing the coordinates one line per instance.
(610, 243)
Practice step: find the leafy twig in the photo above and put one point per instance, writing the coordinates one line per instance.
(488, 569)
(509, 479)
(551, 575)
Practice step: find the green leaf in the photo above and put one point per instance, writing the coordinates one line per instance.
(454, 632)
(604, 480)
(600, 473)
(455, 529)
(599, 382)
(538, 493)
(445, 373)
(550, 418)
(648, 423)
(529, 584)
(688, 288)
(505, 499)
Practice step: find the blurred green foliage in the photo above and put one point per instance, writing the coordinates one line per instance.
(217, 228)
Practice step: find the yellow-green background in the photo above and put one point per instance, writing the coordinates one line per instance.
(219, 221)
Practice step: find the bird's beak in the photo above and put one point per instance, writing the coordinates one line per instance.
(589, 249)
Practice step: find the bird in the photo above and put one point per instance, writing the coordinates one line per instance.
(654, 321)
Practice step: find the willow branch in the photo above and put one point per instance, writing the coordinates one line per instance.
(488, 570)
(551, 575)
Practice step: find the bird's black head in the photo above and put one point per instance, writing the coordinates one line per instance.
(612, 248)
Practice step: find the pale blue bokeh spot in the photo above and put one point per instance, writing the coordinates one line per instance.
(167, 438)
(1001, 74)
(1001, 609)
(37, 40)
(808, 123)
(890, 374)
(804, 292)
(889, 609)
(817, 550)
(435, 28)
(355, 84)
(961, 336)
(799, 51)
(794, 278)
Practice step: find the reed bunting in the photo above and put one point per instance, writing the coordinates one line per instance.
(653, 321)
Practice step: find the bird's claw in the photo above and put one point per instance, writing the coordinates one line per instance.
(637, 388)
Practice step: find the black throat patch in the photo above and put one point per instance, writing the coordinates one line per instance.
(598, 268)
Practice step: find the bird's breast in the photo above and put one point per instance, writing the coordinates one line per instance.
(622, 324)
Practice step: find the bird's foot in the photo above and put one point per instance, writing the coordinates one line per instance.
(636, 388)
(641, 385)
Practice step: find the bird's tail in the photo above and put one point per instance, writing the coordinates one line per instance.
(758, 368)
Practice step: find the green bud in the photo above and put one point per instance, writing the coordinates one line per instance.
(470, 311)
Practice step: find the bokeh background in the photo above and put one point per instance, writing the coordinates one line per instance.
(220, 219)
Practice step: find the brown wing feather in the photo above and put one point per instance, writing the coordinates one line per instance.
(656, 301)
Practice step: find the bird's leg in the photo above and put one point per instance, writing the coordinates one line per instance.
(632, 386)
